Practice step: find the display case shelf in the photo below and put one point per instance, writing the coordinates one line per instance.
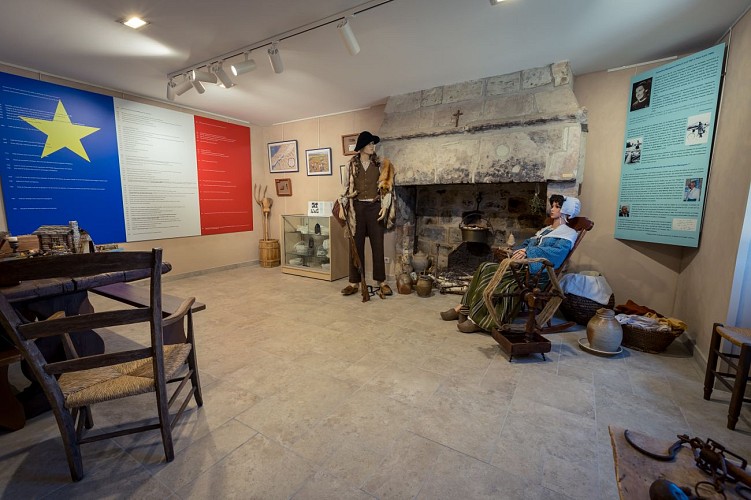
(314, 247)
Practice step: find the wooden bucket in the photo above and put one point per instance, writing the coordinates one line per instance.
(268, 253)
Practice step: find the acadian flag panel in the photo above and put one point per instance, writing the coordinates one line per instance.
(224, 178)
(125, 171)
(59, 162)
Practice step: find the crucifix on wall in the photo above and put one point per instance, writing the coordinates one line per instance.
(457, 115)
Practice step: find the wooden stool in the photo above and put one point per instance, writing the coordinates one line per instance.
(740, 337)
(11, 412)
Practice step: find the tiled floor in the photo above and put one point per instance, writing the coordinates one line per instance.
(309, 394)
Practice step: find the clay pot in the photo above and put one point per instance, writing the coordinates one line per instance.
(404, 284)
(604, 333)
(419, 262)
(424, 286)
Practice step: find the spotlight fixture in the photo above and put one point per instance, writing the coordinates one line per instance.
(196, 83)
(275, 58)
(224, 79)
(134, 22)
(202, 76)
(170, 90)
(495, 2)
(345, 31)
(244, 66)
(182, 87)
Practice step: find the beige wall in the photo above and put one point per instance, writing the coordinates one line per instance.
(704, 285)
(646, 273)
(691, 284)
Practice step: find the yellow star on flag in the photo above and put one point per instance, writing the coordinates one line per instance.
(61, 133)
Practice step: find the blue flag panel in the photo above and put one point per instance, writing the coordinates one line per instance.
(59, 159)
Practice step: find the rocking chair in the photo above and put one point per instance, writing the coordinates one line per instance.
(539, 293)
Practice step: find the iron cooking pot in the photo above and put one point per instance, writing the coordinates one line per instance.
(477, 231)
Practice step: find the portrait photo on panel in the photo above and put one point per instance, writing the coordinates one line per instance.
(641, 94)
(692, 189)
(633, 150)
(624, 211)
(697, 129)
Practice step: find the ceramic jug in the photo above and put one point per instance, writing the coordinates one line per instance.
(424, 286)
(420, 262)
(604, 333)
(404, 284)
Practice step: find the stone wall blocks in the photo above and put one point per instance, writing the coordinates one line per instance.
(562, 74)
(432, 97)
(536, 77)
(504, 84)
(560, 100)
(509, 107)
(404, 102)
(463, 91)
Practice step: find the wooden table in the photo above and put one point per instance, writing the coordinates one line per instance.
(635, 472)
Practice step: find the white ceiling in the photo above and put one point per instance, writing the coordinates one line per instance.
(407, 45)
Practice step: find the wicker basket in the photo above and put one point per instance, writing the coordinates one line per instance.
(581, 309)
(652, 341)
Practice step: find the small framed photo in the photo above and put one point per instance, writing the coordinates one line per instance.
(348, 144)
(318, 161)
(283, 187)
(283, 157)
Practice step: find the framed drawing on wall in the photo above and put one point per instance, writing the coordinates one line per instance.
(348, 144)
(283, 187)
(318, 161)
(283, 157)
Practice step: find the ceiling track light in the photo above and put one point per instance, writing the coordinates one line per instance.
(244, 66)
(224, 79)
(183, 86)
(202, 76)
(348, 37)
(171, 90)
(196, 83)
(275, 58)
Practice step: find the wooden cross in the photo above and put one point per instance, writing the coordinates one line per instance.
(457, 115)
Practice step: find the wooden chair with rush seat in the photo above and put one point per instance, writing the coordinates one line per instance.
(72, 386)
(538, 295)
(739, 362)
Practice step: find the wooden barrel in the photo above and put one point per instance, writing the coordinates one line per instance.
(268, 253)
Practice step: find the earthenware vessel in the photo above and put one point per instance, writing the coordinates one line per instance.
(419, 262)
(404, 284)
(424, 286)
(604, 333)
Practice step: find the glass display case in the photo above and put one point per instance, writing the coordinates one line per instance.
(314, 247)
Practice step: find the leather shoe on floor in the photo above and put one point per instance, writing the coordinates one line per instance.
(449, 315)
(468, 327)
(350, 289)
(386, 289)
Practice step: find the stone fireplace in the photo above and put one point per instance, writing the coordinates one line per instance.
(497, 145)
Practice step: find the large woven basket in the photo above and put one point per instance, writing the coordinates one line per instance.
(581, 309)
(646, 340)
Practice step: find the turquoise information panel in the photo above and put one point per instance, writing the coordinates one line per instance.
(672, 113)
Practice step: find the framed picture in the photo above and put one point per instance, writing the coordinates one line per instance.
(283, 157)
(318, 161)
(283, 187)
(348, 144)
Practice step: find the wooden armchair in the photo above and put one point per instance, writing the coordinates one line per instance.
(73, 385)
(540, 293)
